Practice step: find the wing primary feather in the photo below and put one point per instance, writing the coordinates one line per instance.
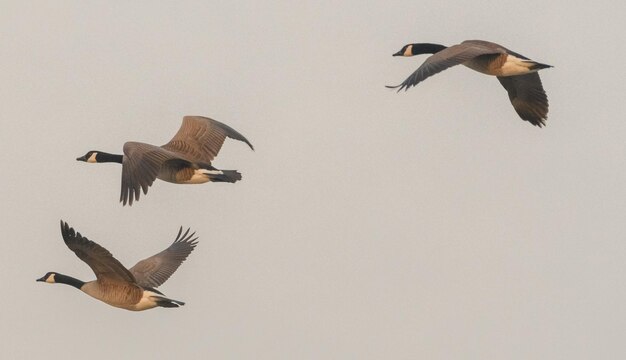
(155, 270)
(179, 232)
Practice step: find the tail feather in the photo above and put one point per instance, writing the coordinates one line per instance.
(168, 303)
(538, 66)
(230, 176)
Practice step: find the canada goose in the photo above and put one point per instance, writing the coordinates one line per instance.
(115, 285)
(186, 159)
(516, 73)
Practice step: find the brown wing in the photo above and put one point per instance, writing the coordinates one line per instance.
(200, 138)
(155, 270)
(99, 259)
(448, 57)
(527, 96)
(141, 165)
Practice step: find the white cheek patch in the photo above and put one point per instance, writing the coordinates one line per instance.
(92, 158)
(50, 279)
(408, 51)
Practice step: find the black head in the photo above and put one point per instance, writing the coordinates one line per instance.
(56, 278)
(100, 157)
(407, 50)
(90, 156)
(49, 277)
(417, 49)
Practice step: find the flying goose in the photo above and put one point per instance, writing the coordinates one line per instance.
(186, 159)
(117, 286)
(516, 73)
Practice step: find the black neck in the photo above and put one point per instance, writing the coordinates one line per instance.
(64, 279)
(426, 48)
(103, 157)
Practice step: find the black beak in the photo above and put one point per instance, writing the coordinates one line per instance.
(82, 158)
(399, 53)
(41, 279)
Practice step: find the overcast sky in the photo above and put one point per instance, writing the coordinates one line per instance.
(429, 224)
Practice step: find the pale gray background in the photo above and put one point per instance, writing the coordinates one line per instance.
(430, 224)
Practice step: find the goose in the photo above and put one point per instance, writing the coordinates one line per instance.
(186, 159)
(517, 73)
(130, 289)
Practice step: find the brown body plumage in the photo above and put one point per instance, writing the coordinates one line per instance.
(517, 74)
(186, 159)
(117, 286)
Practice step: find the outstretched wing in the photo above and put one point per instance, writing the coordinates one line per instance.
(201, 138)
(448, 57)
(527, 97)
(141, 165)
(99, 259)
(155, 270)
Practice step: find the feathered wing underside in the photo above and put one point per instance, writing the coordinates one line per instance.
(201, 138)
(527, 97)
(99, 259)
(448, 57)
(141, 165)
(155, 270)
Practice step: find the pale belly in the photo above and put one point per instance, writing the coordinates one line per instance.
(143, 304)
(147, 302)
(197, 176)
(509, 66)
